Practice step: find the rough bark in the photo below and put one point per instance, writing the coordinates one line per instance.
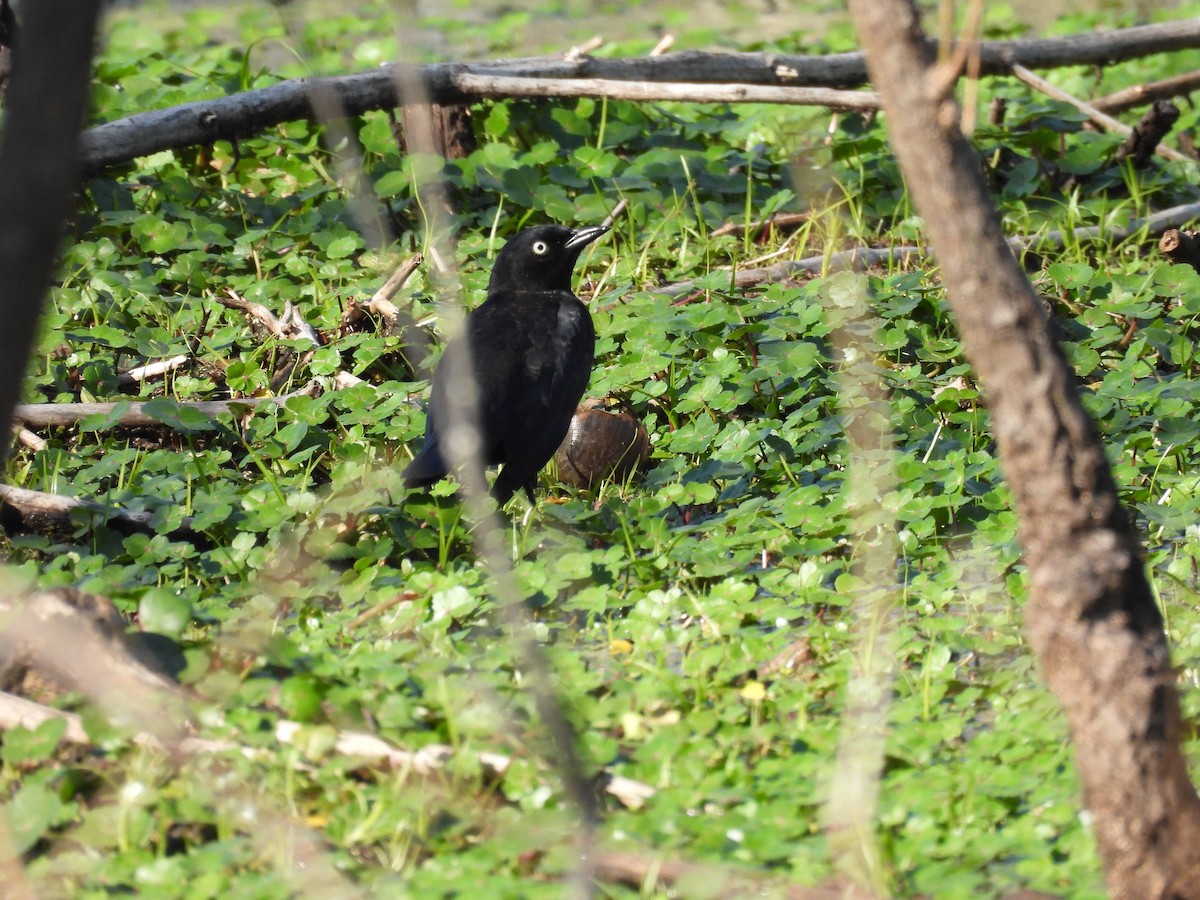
(38, 163)
(1143, 141)
(1091, 617)
(240, 115)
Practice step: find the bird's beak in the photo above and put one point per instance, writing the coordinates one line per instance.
(581, 237)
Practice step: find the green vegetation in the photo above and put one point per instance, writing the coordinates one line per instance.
(662, 602)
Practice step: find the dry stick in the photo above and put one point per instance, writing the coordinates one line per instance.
(1143, 94)
(1155, 223)
(1092, 617)
(1100, 118)
(41, 512)
(27, 438)
(775, 220)
(59, 415)
(241, 115)
(616, 211)
(860, 257)
(381, 301)
(152, 370)
(898, 256)
(499, 85)
(665, 43)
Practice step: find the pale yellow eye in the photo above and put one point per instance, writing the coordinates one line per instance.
(540, 247)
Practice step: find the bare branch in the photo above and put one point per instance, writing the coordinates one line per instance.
(38, 512)
(61, 415)
(1142, 94)
(1100, 118)
(240, 115)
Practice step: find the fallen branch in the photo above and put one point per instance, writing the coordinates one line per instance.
(1156, 223)
(61, 415)
(860, 257)
(646, 92)
(37, 512)
(431, 759)
(1100, 118)
(241, 115)
(27, 438)
(773, 222)
(17, 712)
(381, 304)
(865, 257)
(1142, 94)
(289, 326)
(139, 374)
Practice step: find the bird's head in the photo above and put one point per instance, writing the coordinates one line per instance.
(541, 258)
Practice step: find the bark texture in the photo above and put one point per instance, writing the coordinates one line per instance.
(47, 95)
(1091, 618)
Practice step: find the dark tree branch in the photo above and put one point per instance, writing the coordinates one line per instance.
(47, 96)
(241, 115)
(1092, 618)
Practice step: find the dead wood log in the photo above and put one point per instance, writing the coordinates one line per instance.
(241, 115)
(1092, 618)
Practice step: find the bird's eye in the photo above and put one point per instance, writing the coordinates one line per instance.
(540, 248)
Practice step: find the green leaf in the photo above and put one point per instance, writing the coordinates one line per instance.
(177, 416)
(24, 745)
(104, 421)
(31, 813)
(163, 611)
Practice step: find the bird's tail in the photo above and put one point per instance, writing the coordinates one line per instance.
(426, 468)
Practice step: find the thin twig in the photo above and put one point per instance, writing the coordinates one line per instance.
(1100, 118)
(152, 370)
(1143, 94)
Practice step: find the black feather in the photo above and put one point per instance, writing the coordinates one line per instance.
(531, 344)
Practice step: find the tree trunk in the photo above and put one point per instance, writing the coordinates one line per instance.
(1091, 619)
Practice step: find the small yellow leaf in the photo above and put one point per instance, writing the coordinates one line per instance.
(620, 646)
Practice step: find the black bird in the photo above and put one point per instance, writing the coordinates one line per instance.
(530, 344)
